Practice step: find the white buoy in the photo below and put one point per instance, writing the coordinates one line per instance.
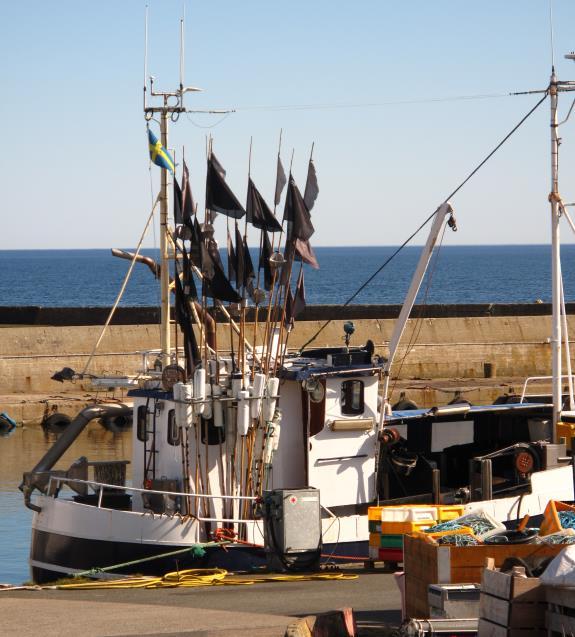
(236, 386)
(276, 436)
(178, 406)
(270, 400)
(243, 412)
(187, 413)
(208, 412)
(217, 406)
(200, 389)
(257, 393)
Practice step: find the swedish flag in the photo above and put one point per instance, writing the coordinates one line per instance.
(158, 154)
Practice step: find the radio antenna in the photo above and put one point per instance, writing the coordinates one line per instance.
(551, 42)
(182, 53)
(145, 54)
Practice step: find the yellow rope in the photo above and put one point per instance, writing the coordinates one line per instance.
(191, 578)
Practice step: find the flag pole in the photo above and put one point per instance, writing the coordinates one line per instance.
(278, 297)
(266, 345)
(164, 256)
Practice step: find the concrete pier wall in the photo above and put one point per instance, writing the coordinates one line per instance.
(437, 347)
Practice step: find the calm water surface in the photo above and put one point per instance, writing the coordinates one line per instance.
(19, 452)
(461, 274)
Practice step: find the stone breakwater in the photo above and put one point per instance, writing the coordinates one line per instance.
(480, 350)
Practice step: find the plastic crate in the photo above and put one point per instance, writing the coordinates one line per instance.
(447, 512)
(401, 528)
(551, 523)
(391, 541)
(374, 513)
(390, 555)
(415, 513)
(374, 539)
(374, 526)
(497, 526)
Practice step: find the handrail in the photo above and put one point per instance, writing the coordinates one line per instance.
(103, 485)
(536, 378)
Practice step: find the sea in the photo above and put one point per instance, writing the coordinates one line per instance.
(458, 274)
(89, 278)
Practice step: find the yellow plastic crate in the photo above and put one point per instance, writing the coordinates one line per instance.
(447, 512)
(374, 513)
(374, 539)
(401, 528)
(566, 430)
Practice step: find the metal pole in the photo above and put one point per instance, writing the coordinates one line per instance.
(164, 259)
(440, 214)
(556, 263)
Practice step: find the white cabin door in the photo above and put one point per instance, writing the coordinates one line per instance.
(341, 446)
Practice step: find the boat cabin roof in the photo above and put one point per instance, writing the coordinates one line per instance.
(463, 410)
(331, 361)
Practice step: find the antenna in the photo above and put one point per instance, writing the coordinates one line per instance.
(551, 34)
(145, 54)
(182, 47)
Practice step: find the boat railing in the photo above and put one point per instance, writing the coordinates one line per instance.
(533, 379)
(56, 482)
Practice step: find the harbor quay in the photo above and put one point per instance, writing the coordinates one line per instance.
(475, 352)
(259, 610)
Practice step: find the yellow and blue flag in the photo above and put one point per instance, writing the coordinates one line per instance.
(158, 154)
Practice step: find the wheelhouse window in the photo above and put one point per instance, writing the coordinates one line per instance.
(141, 422)
(352, 397)
(174, 432)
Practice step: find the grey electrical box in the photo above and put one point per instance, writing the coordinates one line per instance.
(292, 529)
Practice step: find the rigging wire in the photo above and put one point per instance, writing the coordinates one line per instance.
(430, 217)
(222, 119)
(335, 105)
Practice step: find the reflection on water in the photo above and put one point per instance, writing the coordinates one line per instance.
(19, 452)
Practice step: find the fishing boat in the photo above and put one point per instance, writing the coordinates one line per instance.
(218, 428)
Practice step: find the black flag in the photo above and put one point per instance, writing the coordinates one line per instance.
(240, 259)
(188, 283)
(196, 241)
(232, 259)
(188, 204)
(219, 197)
(215, 282)
(177, 203)
(304, 252)
(280, 182)
(311, 188)
(289, 317)
(249, 274)
(258, 212)
(184, 320)
(264, 261)
(299, 298)
(297, 214)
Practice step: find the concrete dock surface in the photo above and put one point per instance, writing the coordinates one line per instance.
(258, 610)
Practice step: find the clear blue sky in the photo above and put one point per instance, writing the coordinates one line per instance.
(75, 171)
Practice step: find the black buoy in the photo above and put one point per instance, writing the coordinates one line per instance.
(56, 422)
(404, 403)
(513, 536)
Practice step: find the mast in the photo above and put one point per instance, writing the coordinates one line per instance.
(556, 258)
(164, 255)
(444, 211)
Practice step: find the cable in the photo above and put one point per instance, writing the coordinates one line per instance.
(310, 107)
(429, 218)
(222, 119)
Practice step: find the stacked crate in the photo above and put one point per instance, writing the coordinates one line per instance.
(388, 525)
(511, 604)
